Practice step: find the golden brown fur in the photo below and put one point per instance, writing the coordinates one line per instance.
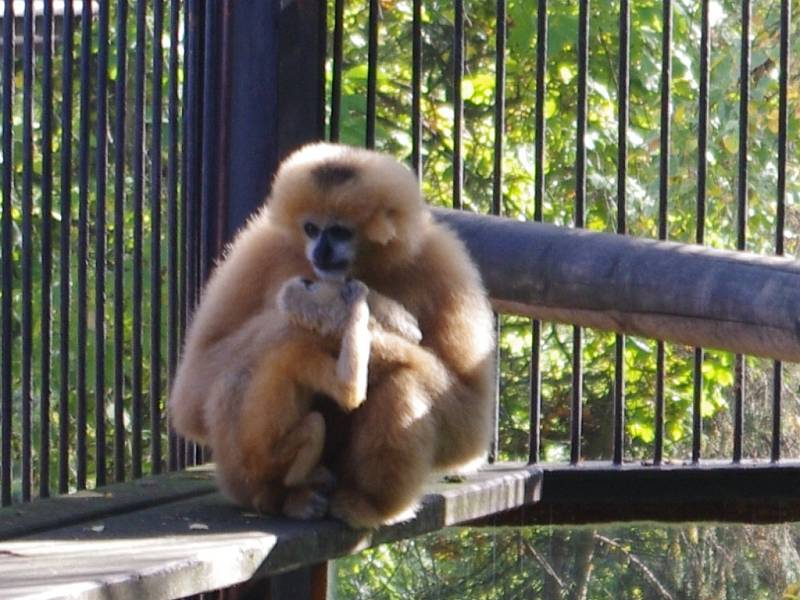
(428, 404)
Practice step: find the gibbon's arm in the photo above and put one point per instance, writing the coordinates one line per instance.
(235, 318)
(212, 370)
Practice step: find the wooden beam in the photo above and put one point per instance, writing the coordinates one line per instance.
(680, 293)
(748, 492)
(205, 543)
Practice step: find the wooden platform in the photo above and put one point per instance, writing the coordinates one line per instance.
(175, 535)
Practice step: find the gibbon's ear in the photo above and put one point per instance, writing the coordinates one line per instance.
(380, 229)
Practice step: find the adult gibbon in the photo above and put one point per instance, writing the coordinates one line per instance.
(336, 213)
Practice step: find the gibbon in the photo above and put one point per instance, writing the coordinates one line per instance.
(335, 213)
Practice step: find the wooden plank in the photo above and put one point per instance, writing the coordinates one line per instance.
(206, 543)
(681, 293)
(750, 492)
(80, 507)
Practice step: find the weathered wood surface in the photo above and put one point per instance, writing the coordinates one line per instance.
(114, 499)
(681, 293)
(205, 543)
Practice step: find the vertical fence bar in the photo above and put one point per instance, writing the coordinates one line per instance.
(211, 220)
(192, 173)
(580, 204)
(101, 160)
(83, 238)
(416, 89)
(534, 442)
(8, 91)
(46, 249)
(663, 204)
(372, 72)
(173, 323)
(780, 216)
(138, 208)
(27, 245)
(497, 183)
(622, 176)
(741, 216)
(700, 212)
(336, 72)
(66, 219)
(119, 240)
(458, 104)
(155, 242)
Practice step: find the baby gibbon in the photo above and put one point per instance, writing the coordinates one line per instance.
(337, 212)
(267, 440)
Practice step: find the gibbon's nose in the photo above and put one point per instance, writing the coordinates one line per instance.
(323, 253)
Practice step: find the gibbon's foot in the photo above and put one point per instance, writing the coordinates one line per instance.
(305, 503)
(356, 509)
(267, 501)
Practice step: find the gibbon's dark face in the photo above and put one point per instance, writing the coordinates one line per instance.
(330, 248)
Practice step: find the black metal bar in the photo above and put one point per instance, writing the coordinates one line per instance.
(663, 204)
(66, 219)
(27, 245)
(101, 160)
(138, 208)
(700, 212)
(622, 174)
(458, 103)
(193, 143)
(47, 249)
(497, 181)
(336, 73)
(83, 239)
(119, 240)
(211, 219)
(184, 216)
(173, 335)
(372, 72)
(416, 89)
(8, 91)
(741, 216)
(192, 172)
(783, 124)
(155, 242)
(534, 442)
(580, 203)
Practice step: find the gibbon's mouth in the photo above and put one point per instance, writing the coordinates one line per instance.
(336, 271)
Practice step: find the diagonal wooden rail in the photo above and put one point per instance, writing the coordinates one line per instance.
(682, 293)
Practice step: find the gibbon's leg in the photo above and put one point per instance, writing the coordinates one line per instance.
(390, 452)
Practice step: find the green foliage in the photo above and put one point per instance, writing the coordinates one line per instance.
(642, 186)
(518, 566)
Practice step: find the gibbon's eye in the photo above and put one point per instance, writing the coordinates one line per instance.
(340, 233)
(311, 230)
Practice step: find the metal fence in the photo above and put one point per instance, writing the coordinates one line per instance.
(143, 134)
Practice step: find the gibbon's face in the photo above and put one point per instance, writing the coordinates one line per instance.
(330, 247)
(355, 211)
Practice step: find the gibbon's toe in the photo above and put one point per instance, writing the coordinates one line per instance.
(305, 503)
